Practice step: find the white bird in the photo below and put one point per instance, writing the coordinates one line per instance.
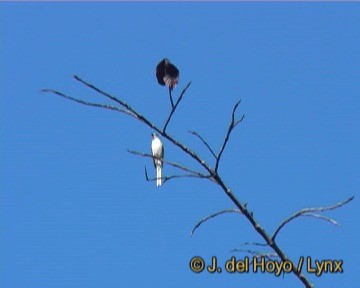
(157, 151)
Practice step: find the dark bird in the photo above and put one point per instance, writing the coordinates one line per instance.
(167, 74)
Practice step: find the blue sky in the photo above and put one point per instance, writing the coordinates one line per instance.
(76, 209)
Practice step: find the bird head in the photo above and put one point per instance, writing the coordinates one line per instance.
(153, 135)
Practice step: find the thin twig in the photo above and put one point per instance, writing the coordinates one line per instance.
(232, 125)
(98, 105)
(254, 244)
(134, 113)
(107, 95)
(175, 106)
(308, 212)
(328, 219)
(257, 254)
(202, 221)
(174, 164)
(167, 178)
(171, 99)
(204, 142)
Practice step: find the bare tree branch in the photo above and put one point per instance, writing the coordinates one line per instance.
(254, 244)
(176, 165)
(204, 142)
(257, 254)
(104, 106)
(213, 173)
(202, 221)
(328, 219)
(268, 255)
(107, 95)
(134, 113)
(171, 99)
(167, 178)
(232, 125)
(308, 212)
(175, 106)
(250, 217)
(147, 122)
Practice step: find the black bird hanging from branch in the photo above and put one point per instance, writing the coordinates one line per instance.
(167, 74)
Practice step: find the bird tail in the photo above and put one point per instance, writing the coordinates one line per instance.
(158, 176)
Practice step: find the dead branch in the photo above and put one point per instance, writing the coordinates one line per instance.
(171, 99)
(107, 95)
(232, 125)
(175, 106)
(202, 221)
(213, 174)
(80, 101)
(148, 123)
(257, 254)
(204, 142)
(174, 164)
(167, 178)
(328, 219)
(254, 244)
(255, 224)
(309, 212)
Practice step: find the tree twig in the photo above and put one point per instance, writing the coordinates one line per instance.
(257, 254)
(171, 98)
(107, 95)
(80, 101)
(232, 125)
(309, 212)
(167, 178)
(204, 142)
(175, 106)
(327, 219)
(202, 221)
(174, 164)
(254, 244)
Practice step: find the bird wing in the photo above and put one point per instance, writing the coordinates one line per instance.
(160, 72)
(153, 151)
(167, 74)
(157, 151)
(162, 154)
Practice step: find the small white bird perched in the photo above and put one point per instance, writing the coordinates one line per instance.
(157, 151)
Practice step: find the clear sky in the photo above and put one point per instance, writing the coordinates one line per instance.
(76, 209)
